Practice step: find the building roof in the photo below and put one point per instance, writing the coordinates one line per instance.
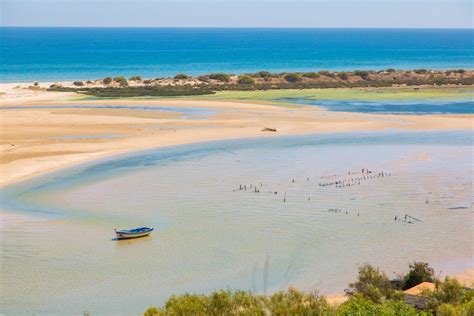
(416, 290)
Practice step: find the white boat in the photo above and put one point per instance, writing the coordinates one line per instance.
(133, 233)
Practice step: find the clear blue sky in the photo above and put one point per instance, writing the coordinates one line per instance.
(239, 13)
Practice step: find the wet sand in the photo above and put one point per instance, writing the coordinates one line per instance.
(37, 139)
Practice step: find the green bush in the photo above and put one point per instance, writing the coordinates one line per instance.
(245, 79)
(362, 73)
(135, 78)
(343, 75)
(324, 73)
(107, 80)
(264, 74)
(312, 75)
(419, 272)
(78, 83)
(372, 284)
(220, 76)
(292, 77)
(420, 71)
(362, 306)
(180, 77)
(121, 81)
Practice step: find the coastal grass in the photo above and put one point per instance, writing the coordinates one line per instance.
(367, 94)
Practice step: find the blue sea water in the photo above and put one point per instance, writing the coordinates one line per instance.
(44, 54)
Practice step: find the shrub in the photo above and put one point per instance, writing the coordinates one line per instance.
(203, 78)
(420, 71)
(264, 74)
(107, 80)
(245, 79)
(180, 77)
(343, 75)
(78, 83)
(148, 81)
(292, 77)
(121, 81)
(363, 306)
(294, 302)
(135, 78)
(220, 76)
(419, 272)
(362, 73)
(460, 71)
(390, 70)
(372, 284)
(312, 75)
(324, 72)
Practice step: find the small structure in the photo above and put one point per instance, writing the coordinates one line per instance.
(414, 296)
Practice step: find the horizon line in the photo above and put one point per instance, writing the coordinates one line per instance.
(241, 27)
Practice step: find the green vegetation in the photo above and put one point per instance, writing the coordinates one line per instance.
(371, 294)
(78, 83)
(313, 75)
(264, 74)
(419, 272)
(107, 80)
(292, 77)
(362, 73)
(220, 77)
(181, 77)
(343, 75)
(260, 82)
(135, 78)
(372, 284)
(165, 91)
(420, 71)
(245, 79)
(121, 81)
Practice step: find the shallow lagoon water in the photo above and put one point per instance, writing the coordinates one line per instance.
(58, 252)
(419, 107)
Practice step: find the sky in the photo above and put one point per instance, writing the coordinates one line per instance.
(239, 13)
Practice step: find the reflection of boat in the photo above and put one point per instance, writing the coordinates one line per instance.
(133, 233)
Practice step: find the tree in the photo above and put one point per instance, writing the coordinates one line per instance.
(372, 284)
(135, 78)
(419, 272)
(245, 79)
(292, 77)
(107, 80)
(180, 77)
(78, 83)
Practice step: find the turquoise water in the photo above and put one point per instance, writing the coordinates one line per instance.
(43, 54)
(463, 106)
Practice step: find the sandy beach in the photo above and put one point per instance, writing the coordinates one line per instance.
(43, 131)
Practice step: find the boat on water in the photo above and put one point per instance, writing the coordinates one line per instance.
(133, 233)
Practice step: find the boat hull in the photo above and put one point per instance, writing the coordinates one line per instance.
(130, 235)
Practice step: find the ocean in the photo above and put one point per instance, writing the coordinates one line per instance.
(49, 54)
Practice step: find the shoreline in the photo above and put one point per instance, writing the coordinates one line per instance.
(38, 140)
